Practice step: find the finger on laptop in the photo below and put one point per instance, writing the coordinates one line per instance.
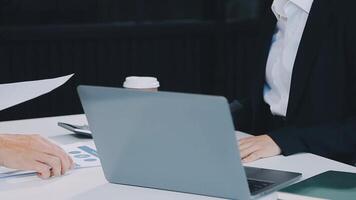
(256, 155)
(248, 151)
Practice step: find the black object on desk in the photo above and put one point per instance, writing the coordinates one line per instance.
(79, 130)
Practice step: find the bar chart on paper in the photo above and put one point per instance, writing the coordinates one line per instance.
(84, 155)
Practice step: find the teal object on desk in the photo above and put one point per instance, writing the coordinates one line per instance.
(173, 141)
(329, 185)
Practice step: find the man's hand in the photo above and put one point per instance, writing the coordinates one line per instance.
(258, 147)
(33, 153)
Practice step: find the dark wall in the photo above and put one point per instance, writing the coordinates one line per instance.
(199, 50)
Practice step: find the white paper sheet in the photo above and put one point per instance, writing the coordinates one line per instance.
(83, 154)
(12, 94)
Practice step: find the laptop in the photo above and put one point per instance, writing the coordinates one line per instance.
(173, 141)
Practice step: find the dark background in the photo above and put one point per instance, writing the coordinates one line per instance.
(196, 46)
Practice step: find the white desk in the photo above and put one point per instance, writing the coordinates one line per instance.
(90, 184)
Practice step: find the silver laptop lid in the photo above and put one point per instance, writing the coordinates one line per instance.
(171, 141)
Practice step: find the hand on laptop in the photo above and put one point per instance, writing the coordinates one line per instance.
(258, 147)
(33, 153)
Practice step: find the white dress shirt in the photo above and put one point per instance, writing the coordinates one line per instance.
(292, 17)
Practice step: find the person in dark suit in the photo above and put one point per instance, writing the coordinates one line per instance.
(303, 94)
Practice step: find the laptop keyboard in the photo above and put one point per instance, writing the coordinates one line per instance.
(256, 186)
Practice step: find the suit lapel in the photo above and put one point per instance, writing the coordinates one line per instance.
(308, 52)
(267, 29)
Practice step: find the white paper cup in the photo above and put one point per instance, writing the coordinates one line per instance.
(142, 83)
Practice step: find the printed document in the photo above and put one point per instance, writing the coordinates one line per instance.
(84, 155)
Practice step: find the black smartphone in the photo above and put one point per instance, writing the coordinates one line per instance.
(79, 130)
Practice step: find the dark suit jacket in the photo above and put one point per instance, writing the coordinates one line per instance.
(321, 116)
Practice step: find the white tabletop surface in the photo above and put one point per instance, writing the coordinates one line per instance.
(90, 183)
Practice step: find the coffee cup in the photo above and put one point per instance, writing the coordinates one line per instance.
(142, 83)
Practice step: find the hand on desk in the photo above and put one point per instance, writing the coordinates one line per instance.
(257, 147)
(33, 153)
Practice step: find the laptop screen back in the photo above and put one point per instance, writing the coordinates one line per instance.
(172, 141)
